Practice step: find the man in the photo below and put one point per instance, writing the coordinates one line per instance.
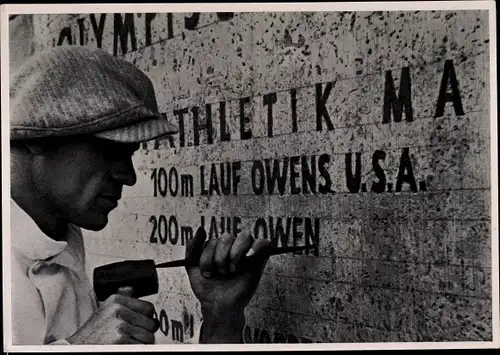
(77, 116)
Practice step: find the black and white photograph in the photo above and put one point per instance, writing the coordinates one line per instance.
(270, 177)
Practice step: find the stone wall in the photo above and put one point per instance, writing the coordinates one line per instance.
(364, 132)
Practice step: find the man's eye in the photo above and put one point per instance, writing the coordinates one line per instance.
(117, 151)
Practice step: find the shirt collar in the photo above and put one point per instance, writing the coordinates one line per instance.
(28, 239)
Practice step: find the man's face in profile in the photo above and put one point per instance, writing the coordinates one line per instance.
(82, 178)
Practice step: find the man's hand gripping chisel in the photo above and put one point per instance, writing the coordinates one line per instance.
(142, 276)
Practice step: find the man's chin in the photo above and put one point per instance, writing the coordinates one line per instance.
(94, 226)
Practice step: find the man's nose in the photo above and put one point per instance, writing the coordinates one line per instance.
(125, 172)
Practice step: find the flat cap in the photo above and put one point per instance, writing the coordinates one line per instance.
(74, 90)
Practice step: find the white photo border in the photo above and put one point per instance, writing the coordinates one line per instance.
(7, 10)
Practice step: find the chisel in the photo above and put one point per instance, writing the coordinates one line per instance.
(142, 276)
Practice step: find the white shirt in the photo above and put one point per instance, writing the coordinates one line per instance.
(51, 294)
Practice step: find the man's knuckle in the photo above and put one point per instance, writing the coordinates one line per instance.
(219, 259)
(262, 243)
(116, 310)
(150, 338)
(107, 302)
(116, 338)
(151, 325)
(206, 258)
(205, 266)
(120, 326)
(226, 237)
(122, 337)
(212, 243)
(245, 238)
(112, 299)
(148, 307)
